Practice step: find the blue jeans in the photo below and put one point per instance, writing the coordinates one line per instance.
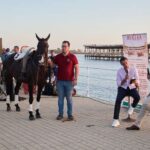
(64, 89)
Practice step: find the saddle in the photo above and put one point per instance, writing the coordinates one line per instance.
(25, 51)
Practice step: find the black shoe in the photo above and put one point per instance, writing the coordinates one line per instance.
(70, 118)
(133, 127)
(59, 117)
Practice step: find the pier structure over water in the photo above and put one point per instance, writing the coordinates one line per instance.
(105, 52)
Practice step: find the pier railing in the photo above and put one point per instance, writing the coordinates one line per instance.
(95, 83)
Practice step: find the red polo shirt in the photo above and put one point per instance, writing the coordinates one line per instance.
(65, 66)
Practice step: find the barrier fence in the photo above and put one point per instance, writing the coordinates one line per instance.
(97, 83)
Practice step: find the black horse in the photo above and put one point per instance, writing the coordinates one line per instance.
(36, 74)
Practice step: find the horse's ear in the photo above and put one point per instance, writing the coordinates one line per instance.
(48, 37)
(37, 37)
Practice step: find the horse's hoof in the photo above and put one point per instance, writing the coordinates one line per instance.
(8, 107)
(17, 108)
(31, 116)
(38, 115)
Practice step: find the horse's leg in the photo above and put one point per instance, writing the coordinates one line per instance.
(9, 91)
(40, 87)
(31, 116)
(17, 88)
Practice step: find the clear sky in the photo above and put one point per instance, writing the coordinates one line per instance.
(79, 21)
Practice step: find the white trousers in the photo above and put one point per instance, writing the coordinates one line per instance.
(144, 111)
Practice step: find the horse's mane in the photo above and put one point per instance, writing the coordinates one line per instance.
(33, 56)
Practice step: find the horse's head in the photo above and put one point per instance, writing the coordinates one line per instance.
(42, 46)
(42, 50)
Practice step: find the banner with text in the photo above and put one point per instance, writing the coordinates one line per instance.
(135, 48)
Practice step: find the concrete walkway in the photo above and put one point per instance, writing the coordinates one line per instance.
(91, 131)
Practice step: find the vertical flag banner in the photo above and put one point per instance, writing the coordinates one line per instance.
(135, 48)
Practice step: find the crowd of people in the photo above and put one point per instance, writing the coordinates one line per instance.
(65, 73)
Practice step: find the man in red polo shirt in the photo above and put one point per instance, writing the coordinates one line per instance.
(68, 70)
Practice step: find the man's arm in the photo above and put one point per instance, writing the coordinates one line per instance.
(121, 82)
(76, 67)
(76, 71)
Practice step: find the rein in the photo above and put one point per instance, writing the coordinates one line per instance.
(45, 64)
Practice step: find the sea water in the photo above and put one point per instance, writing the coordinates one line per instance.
(97, 78)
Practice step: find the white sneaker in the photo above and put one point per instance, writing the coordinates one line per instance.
(115, 123)
(130, 111)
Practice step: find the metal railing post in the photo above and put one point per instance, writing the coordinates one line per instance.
(88, 95)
